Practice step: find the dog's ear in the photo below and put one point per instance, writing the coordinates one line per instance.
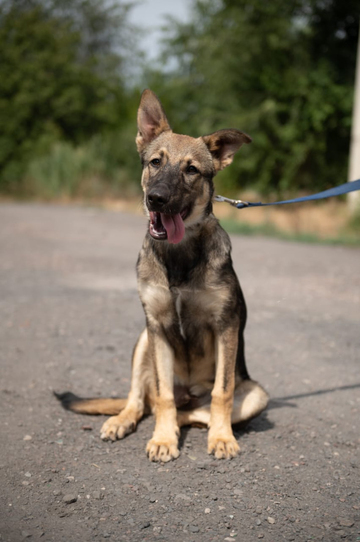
(223, 145)
(151, 120)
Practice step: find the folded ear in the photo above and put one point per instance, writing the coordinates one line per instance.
(223, 145)
(151, 119)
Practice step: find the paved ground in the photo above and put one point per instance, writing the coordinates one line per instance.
(69, 318)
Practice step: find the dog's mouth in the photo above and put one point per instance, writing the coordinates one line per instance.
(168, 226)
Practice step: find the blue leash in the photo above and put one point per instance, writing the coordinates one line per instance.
(337, 191)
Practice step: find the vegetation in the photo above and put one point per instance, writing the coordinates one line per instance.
(283, 71)
(60, 81)
(350, 236)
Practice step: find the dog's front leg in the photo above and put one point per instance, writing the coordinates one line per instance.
(221, 441)
(164, 443)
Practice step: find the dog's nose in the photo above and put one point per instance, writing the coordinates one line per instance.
(157, 198)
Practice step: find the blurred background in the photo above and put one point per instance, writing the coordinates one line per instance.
(71, 74)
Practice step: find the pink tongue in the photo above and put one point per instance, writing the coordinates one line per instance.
(174, 226)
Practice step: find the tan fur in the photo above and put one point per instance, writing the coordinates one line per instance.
(188, 364)
(99, 406)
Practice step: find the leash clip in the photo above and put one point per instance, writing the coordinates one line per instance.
(234, 202)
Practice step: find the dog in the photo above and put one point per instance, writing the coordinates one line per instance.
(188, 365)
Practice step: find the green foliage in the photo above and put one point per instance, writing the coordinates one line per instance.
(96, 169)
(282, 71)
(59, 78)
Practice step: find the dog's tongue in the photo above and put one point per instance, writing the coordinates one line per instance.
(174, 226)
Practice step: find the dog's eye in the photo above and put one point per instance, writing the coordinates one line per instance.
(155, 162)
(192, 170)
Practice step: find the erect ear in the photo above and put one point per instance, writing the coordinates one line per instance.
(151, 119)
(223, 145)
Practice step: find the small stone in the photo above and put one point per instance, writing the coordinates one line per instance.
(145, 525)
(258, 522)
(86, 428)
(238, 492)
(258, 510)
(70, 498)
(25, 483)
(271, 520)
(27, 474)
(152, 498)
(25, 534)
(345, 522)
(97, 495)
(56, 492)
(260, 535)
(194, 528)
(106, 535)
(207, 510)
(27, 437)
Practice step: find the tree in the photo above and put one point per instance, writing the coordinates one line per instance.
(62, 66)
(282, 71)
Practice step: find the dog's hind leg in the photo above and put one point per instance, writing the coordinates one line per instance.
(124, 423)
(250, 399)
(197, 416)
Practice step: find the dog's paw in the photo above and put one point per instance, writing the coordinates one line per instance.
(158, 450)
(117, 427)
(223, 448)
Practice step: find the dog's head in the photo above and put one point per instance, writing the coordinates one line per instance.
(178, 170)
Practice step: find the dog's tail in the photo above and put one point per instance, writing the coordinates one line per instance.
(90, 406)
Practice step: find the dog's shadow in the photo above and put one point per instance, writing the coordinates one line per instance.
(262, 422)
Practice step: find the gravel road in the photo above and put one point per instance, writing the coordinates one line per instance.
(70, 316)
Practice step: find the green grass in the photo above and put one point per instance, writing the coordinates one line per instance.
(350, 237)
(98, 168)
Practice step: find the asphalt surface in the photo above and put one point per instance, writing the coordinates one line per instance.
(70, 316)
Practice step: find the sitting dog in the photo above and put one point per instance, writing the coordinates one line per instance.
(188, 365)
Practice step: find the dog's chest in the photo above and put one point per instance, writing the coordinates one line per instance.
(197, 307)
